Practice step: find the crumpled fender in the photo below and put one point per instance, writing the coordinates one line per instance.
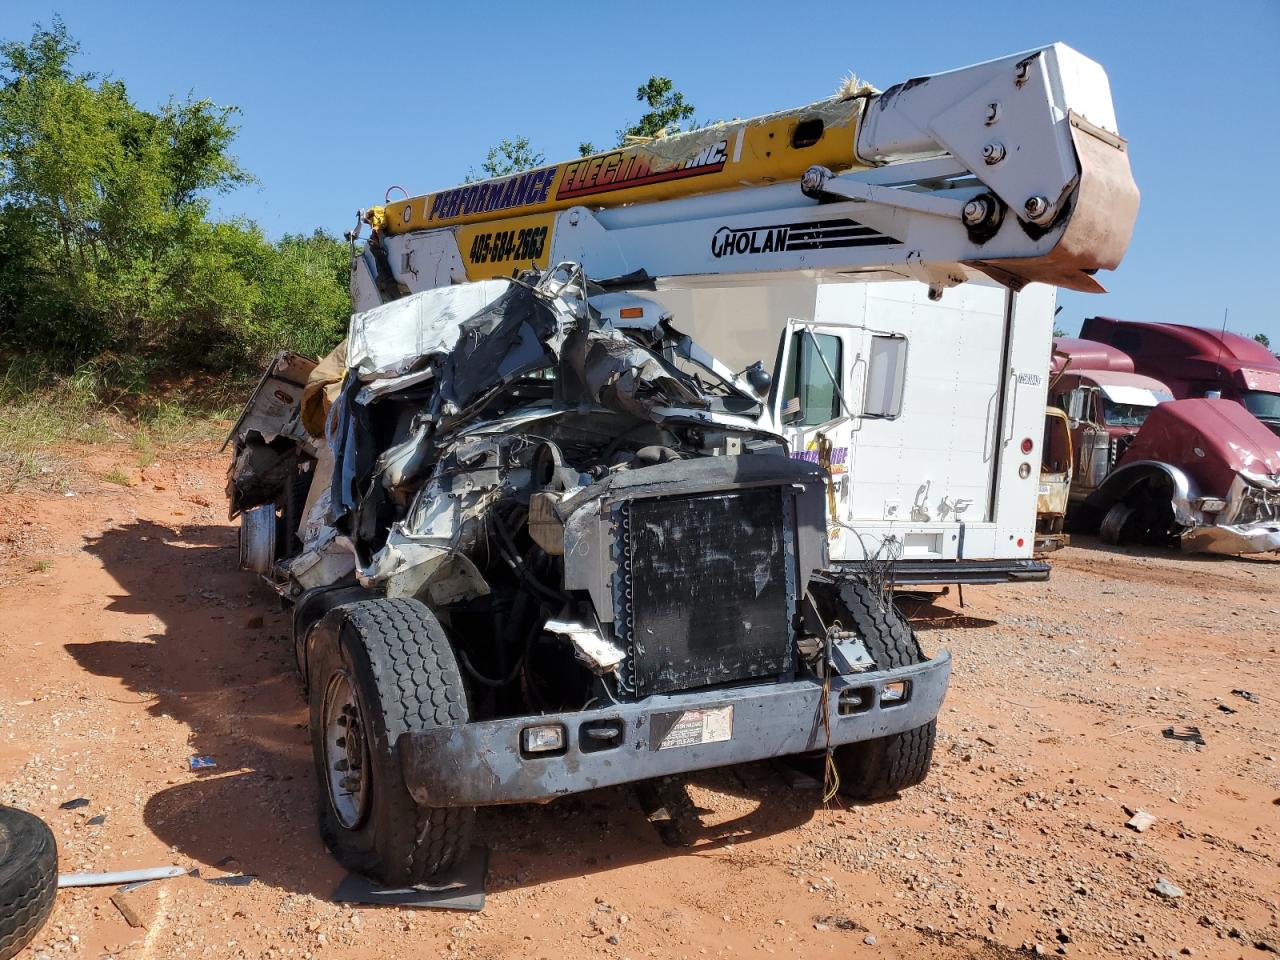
(1120, 482)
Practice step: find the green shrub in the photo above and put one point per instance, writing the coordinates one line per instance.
(111, 271)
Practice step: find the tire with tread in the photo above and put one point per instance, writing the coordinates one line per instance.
(877, 769)
(28, 878)
(406, 678)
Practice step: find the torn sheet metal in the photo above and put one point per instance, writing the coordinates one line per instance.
(328, 559)
(258, 473)
(272, 410)
(510, 337)
(620, 374)
(395, 338)
(601, 655)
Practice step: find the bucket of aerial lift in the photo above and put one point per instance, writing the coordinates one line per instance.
(1102, 216)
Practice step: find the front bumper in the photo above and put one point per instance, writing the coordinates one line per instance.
(480, 764)
(1233, 539)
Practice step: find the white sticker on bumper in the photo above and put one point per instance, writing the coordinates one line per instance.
(700, 726)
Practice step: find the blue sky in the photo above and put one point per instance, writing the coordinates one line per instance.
(341, 100)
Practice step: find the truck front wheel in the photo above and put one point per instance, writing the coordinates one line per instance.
(876, 769)
(380, 668)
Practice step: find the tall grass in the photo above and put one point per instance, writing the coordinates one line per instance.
(44, 415)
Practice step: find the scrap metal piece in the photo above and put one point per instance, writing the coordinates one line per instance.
(598, 653)
(1187, 734)
(232, 880)
(119, 876)
(460, 888)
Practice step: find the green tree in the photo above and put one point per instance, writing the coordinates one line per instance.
(1263, 339)
(509, 156)
(106, 245)
(668, 109)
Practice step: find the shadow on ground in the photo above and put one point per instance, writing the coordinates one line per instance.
(927, 613)
(221, 663)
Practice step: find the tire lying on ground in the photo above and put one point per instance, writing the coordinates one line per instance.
(28, 878)
(380, 668)
(876, 769)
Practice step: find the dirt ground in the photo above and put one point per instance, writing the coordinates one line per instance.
(131, 642)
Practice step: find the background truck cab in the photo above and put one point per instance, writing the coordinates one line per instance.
(1197, 362)
(1149, 468)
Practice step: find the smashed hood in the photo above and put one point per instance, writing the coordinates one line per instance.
(1212, 440)
(619, 374)
(480, 337)
(398, 337)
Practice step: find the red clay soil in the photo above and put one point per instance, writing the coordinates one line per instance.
(131, 642)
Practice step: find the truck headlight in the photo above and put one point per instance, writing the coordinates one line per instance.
(895, 692)
(1209, 504)
(547, 738)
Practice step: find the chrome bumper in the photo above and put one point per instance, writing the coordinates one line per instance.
(1233, 539)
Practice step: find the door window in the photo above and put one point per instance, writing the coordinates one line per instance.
(810, 395)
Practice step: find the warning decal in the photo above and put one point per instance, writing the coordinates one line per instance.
(692, 727)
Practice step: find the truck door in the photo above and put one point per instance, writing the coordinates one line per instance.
(924, 413)
(813, 404)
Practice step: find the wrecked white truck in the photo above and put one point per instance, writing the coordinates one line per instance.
(536, 542)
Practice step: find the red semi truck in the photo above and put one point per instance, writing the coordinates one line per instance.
(1198, 362)
(1202, 472)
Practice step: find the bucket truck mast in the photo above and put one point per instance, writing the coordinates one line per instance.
(1012, 168)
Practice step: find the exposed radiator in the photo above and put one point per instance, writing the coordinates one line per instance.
(705, 591)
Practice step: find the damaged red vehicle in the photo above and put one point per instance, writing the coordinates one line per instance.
(1198, 362)
(1201, 472)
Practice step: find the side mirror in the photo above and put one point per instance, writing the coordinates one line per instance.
(759, 378)
(1076, 403)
